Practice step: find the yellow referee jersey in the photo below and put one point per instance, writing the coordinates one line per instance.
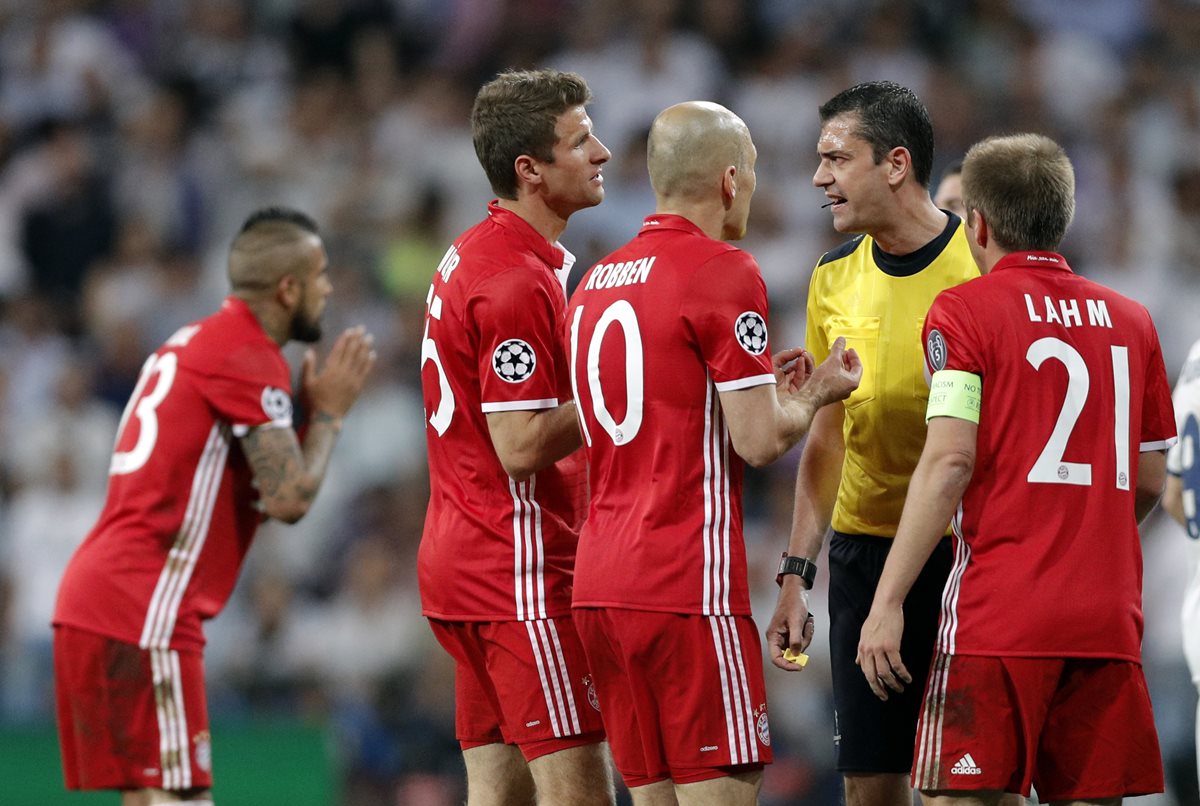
(878, 302)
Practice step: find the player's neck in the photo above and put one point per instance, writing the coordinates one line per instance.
(709, 217)
(275, 321)
(548, 222)
(992, 254)
(912, 226)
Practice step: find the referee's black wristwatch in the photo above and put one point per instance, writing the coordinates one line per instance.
(804, 568)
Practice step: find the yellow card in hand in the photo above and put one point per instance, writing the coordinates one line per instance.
(795, 657)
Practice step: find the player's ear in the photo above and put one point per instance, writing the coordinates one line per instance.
(729, 186)
(527, 170)
(979, 228)
(288, 291)
(899, 162)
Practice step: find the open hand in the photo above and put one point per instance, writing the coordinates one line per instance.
(336, 386)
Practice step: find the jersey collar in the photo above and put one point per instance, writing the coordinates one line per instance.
(555, 255)
(1029, 259)
(238, 307)
(661, 221)
(915, 262)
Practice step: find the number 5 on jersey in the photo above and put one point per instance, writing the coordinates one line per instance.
(440, 419)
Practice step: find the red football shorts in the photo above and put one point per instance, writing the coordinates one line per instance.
(130, 718)
(682, 695)
(521, 682)
(1076, 728)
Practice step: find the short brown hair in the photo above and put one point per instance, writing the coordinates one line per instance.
(1025, 187)
(515, 114)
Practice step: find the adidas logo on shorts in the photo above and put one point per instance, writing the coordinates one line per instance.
(966, 766)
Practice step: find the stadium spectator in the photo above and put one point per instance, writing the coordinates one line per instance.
(948, 195)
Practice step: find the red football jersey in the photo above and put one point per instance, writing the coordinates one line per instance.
(1048, 559)
(494, 549)
(655, 331)
(180, 514)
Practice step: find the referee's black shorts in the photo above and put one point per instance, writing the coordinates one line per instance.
(872, 736)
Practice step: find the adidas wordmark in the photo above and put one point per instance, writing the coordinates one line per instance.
(966, 766)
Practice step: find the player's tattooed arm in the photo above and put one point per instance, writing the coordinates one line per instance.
(287, 475)
(284, 486)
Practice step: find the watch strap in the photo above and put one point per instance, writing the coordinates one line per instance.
(802, 567)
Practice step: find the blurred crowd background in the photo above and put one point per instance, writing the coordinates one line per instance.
(135, 135)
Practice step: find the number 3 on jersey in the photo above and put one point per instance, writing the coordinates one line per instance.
(622, 315)
(1050, 467)
(145, 407)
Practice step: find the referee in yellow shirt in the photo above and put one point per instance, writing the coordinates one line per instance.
(876, 150)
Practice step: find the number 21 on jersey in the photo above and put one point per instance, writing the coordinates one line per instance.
(1050, 467)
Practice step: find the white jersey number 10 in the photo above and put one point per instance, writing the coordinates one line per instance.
(622, 315)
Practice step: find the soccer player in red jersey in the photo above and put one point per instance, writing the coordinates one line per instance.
(498, 548)
(205, 451)
(675, 389)
(1049, 414)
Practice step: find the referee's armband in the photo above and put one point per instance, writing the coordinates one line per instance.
(954, 393)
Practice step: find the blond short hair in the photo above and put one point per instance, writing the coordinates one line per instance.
(1025, 187)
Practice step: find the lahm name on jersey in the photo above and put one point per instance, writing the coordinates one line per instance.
(1066, 312)
(628, 272)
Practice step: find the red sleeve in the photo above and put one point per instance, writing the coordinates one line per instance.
(950, 337)
(726, 308)
(249, 388)
(518, 316)
(1158, 430)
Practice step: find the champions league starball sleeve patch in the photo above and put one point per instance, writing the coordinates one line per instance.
(514, 361)
(277, 404)
(751, 332)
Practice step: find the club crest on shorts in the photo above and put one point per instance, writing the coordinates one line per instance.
(514, 361)
(761, 726)
(751, 332)
(202, 742)
(588, 684)
(277, 404)
(935, 348)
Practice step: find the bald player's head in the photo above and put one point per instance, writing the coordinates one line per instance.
(271, 244)
(690, 146)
